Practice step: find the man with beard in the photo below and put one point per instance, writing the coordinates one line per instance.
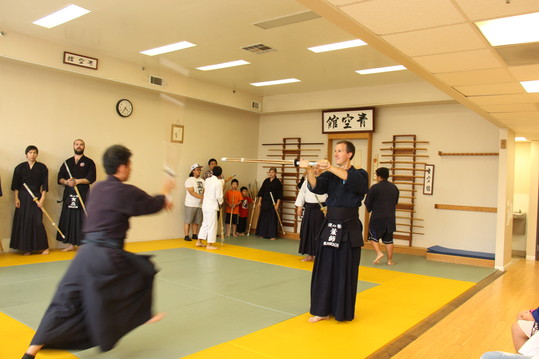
(82, 170)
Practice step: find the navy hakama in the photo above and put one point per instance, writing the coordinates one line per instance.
(28, 232)
(336, 266)
(267, 225)
(72, 216)
(313, 217)
(106, 291)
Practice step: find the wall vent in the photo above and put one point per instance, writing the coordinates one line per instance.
(159, 81)
(256, 105)
(258, 49)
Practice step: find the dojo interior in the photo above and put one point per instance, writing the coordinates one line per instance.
(458, 94)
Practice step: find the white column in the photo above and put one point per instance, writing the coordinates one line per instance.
(504, 216)
(531, 217)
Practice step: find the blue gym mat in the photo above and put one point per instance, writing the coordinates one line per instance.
(460, 252)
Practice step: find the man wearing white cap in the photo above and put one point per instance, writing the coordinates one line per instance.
(194, 188)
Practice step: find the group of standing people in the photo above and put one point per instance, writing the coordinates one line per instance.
(204, 197)
(90, 307)
(30, 185)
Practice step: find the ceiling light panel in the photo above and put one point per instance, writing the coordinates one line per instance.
(511, 30)
(530, 86)
(337, 46)
(275, 82)
(223, 65)
(168, 48)
(59, 17)
(381, 69)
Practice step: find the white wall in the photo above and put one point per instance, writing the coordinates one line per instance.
(463, 180)
(51, 108)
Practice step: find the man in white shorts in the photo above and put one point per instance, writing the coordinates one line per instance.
(194, 189)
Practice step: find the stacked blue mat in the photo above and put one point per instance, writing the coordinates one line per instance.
(460, 252)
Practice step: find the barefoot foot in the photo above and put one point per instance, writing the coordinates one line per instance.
(68, 248)
(390, 263)
(377, 259)
(156, 318)
(209, 246)
(45, 252)
(316, 319)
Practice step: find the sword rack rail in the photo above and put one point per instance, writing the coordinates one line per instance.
(405, 161)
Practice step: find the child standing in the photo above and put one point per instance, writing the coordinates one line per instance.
(244, 211)
(233, 198)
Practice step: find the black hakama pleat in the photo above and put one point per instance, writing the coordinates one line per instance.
(267, 223)
(311, 224)
(28, 232)
(334, 281)
(105, 293)
(71, 225)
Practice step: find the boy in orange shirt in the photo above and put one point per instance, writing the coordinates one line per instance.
(233, 198)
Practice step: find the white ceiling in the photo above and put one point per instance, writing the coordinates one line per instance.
(435, 39)
(438, 40)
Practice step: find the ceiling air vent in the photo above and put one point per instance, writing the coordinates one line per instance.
(288, 19)
(159, 81)
(256, 105)
(258, 49)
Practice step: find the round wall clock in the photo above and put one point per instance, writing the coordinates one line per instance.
(124, 107)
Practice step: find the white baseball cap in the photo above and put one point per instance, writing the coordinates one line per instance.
(196, 165)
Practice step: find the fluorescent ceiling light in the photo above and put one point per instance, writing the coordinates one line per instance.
(530, 86)
(168, 48)
(511, 30)
(381, 69)
(61, 16)
(275, 82)
(223, 65)
(337, 46)
(521, 139)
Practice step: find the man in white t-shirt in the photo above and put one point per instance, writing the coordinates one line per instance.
(194, 189)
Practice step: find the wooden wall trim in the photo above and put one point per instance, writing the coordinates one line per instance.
(466, 208)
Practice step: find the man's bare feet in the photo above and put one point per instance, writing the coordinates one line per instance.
(273, 239)
(27, 253)
(390, 263)
(308, 259)
(316, 319)
(69, 248)
(378, 257)
(199, 244)
(234, 234)
(45, 252)
(209, 246)
(156, 318)
(32, 351)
